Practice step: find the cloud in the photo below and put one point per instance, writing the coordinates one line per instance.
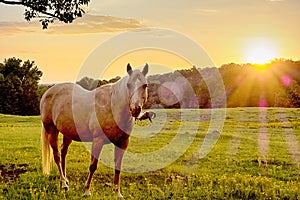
(87, 24)
(205, 11)
(13, 28)
(95, 24)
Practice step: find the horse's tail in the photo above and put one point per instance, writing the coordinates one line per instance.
(153, 115)
(46, 152)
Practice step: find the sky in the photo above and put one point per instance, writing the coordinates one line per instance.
(165, 34)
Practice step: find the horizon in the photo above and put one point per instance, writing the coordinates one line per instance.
(260, 67)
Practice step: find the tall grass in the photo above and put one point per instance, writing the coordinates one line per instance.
(236, 167)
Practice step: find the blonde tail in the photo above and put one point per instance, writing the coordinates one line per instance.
(46, 152)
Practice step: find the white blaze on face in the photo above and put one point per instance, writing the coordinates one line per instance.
(137, 98)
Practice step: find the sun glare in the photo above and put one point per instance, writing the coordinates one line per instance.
(260, 51)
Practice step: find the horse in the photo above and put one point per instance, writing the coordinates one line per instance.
(104, 115)
(147, 115)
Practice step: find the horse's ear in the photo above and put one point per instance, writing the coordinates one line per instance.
(129, 69)
(145, 70)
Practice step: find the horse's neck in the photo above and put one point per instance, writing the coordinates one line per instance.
(120, 98)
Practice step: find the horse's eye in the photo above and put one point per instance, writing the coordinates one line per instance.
(128, 85)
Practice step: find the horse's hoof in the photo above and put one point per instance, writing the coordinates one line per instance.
(120, 196)
(87, 193)
(65, 187)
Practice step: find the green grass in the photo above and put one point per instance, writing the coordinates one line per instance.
(235, 168)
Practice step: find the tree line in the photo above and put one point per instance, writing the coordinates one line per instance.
(276, 84)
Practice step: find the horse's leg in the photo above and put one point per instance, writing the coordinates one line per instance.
(53, 139)
(119, 152)
(64, 151)
(96, 149)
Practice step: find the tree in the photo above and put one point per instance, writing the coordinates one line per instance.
(91, 84)
(19, 87)
(294, 92)
(88, 83)
(50, 10)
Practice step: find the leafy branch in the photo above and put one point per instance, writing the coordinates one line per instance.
(50, 10)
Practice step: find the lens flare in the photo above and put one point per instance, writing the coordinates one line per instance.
(260, 51)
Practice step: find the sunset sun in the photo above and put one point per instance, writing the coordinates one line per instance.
(260, 51)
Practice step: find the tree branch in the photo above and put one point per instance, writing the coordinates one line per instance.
(32, 7)
(65, 11)
(11, 2)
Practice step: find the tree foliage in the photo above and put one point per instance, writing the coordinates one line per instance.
(274, 85)
(47, 11)
(277, 84)
(91, 84)
(19, 87)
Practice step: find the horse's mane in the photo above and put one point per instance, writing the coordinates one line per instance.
(120, 91)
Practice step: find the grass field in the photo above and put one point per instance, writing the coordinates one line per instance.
(255, 156)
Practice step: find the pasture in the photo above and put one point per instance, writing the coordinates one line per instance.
(256, 156)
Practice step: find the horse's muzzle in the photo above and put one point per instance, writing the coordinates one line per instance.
(136, 111)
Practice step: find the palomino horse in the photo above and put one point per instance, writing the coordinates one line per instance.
(104, 115)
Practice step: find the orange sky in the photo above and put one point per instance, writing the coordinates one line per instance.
(226, 30)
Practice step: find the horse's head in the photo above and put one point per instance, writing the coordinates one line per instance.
(137, 86)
